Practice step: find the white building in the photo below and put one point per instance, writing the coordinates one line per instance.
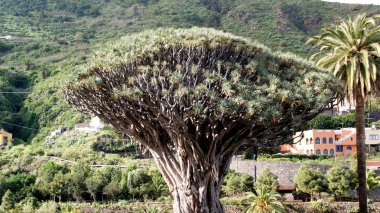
(93, 126)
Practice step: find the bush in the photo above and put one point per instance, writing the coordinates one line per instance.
(268, 179)
(8, 201)
(310, 181)
(48, 207)
(138, 183)
(319, 207)
(237, 183)
(27, 208)
(339, 181)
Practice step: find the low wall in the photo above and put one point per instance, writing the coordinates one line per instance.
(285, 171)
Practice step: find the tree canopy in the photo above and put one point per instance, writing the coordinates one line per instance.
(194, 97)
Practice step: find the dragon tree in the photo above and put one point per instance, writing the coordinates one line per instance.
(194, 97)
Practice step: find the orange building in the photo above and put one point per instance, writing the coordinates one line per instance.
(329, 142)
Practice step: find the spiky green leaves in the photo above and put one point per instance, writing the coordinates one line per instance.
(351, 51)
(198, 74)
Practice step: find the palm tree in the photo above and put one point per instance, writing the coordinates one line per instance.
(265, 201)
(351, 51)
(373, 180)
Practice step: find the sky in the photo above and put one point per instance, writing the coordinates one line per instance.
(376, 2)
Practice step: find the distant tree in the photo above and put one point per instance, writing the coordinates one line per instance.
(95, 183)
(21, 183)
(310, 181)
(372, 180)
(112, 189)
(322, 121)
(194, 97)
(351, 51)
(267, 178)
(59, 186)
(76, 180)
(8, 201)
(339, 181)
(139, 182)
(46, 175)
(265, 201)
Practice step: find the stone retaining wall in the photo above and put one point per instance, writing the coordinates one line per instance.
(285, 171)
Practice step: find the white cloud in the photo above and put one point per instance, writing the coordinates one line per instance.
(375, 2)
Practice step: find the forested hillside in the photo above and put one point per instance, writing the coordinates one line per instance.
(44, 41)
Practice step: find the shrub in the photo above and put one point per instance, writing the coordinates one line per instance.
(27, 208)
(158, 185)
(48, 207)
(237, 183)
(319, 207)
(339, 180)
(372, 180)
(8, 201)
(138, 183)
(310, 181)
(267, 178)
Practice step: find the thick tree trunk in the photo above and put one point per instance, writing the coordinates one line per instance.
(194, 184)
(361, 152)
(197, 197)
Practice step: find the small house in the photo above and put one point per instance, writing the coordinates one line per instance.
(93, 126)
(5, 137)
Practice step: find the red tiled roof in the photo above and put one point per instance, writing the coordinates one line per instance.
(286, 187)
(373, 163)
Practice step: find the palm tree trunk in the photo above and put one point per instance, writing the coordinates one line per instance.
(361, 151)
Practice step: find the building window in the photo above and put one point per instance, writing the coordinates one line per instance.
(311, 140)
(317, 140)
(349, 147)
(331, 151)
(325, 152)
(311, 151)
(324, 140)
(307, 152)
(5, 140)
(318, 152)
(374, 137)
(307, 141)
(339, 148)
(331, 140)
(352, 139)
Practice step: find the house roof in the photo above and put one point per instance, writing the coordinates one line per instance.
(373, 163)
(286, 187)
(3, 131)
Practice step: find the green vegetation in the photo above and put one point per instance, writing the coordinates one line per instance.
(52, 40)
(267, 179)
(310, 181)
(235, 183)
(323, 121)
(319, 206)
(372, 180)
(265, 201)
(163, 86)
(340, 180)
(350, 50)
